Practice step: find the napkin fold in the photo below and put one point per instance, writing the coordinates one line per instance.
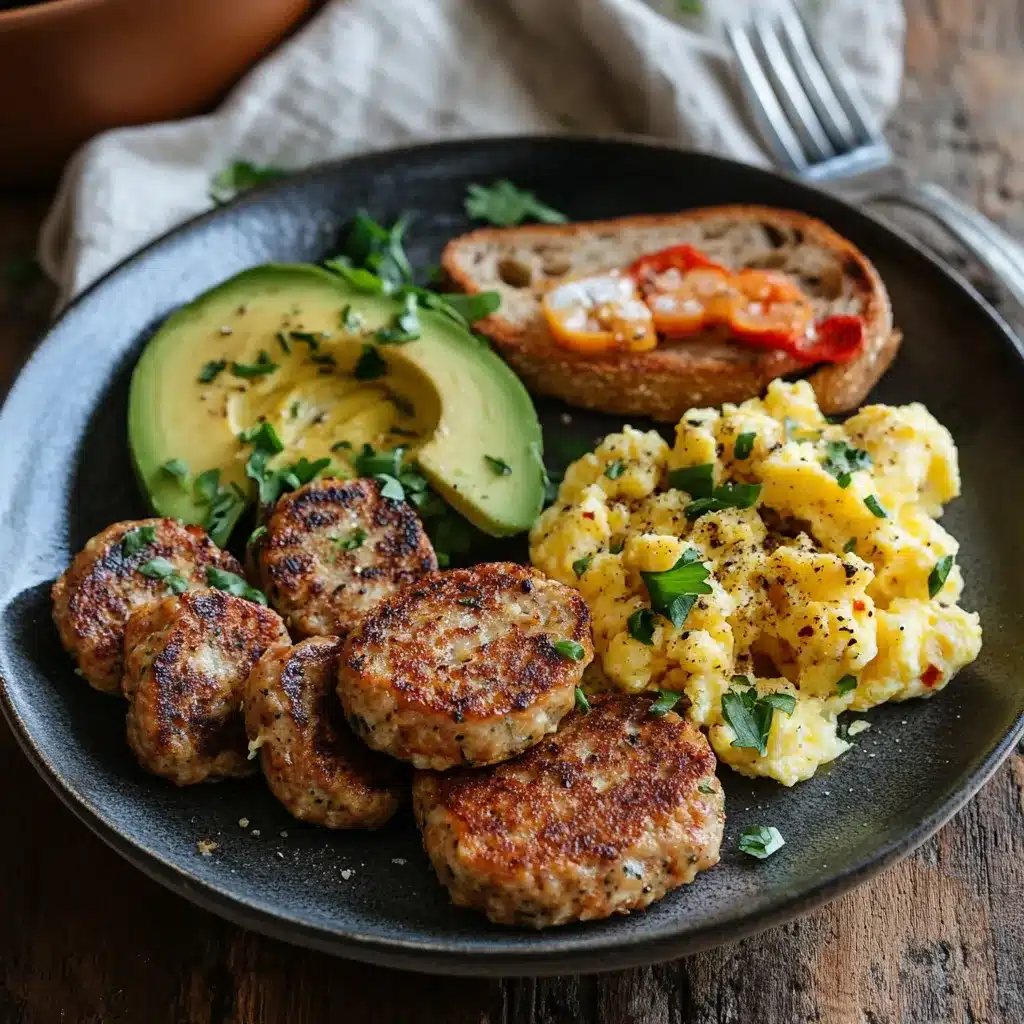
(367, 74)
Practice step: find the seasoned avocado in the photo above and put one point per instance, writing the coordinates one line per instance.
(294, 346)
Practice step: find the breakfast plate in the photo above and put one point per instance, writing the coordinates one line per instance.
(230, 847)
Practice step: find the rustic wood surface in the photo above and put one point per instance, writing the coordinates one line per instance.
(938, 939)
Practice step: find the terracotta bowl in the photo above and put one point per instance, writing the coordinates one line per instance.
(71, 68)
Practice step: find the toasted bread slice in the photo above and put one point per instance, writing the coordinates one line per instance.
(706, 369)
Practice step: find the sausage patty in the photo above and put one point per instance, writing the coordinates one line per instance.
(464, 667)
(312, 762)
(186, 663)
(94, 596)
(605, 817)
(334, 548)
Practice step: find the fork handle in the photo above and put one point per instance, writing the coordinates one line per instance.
(990, 245)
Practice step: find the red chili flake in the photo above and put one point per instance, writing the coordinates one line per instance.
(859, 606)
(588, 515)
(932, 674)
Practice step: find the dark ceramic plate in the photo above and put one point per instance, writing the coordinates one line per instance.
(64, 463)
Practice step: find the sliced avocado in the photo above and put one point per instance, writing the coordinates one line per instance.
(287, 343)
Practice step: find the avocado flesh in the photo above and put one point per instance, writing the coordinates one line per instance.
(445, 397)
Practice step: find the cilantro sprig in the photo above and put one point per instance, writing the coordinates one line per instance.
(750, 715)
(505, 205)
(231, 583)
(699, 482)
(674, 591)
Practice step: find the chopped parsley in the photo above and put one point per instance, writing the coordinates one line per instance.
(282, 340)
(390, 487)
(223, 504)
(239, 176)
(256, 537)
(263, 436)
(466, 309)
(505, 205)
(667, 700)
(842, 460)
(406, 326)
(939, 574)
(674, 591)
(569, 649)
(211, 371)
(370, 365)
(750, 715)
(309, 338)
(641, 626)
(615, 469)
(340, 445)
(850, 545)
(744, 445)
(379, 250)
(373, 463)
(737, 495)
(616, 549)
(323, 359)
(705, 787)
(136, 540)
(354, 539)
(875, 507)
(162, 569)
(697, 481)
(178, 469)
(469, 602)
(499, 466)
(581, 565)
(263, 365)
(230, 583)
(761, 841)
(351, 321)
(582, 704)
(846, 685)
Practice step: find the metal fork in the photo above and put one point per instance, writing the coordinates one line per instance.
(818, 128)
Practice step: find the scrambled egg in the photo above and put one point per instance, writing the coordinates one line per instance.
(827, 592)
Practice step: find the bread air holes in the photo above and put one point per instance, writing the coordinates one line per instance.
(516, 273)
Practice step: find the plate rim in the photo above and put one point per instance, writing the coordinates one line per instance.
(576, 953)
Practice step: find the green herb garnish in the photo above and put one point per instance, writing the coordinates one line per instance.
(842, 460)
(727, 496)
(161, 569)
(641, 626)
(761, 841)
(467, 309)
(211, 370)
(744, 445)
(263, 436)
(390, 487)
(371, 365)
(351, 321)
(615, 469)
(705, 787)
(372, 463)
(256, 537)
(263, 365)
(939, 574)
(697, 481)
(499, 466)
(505, 205)
(875, 508)
(230, 583)
(846, 685)
(850, 545)
(136, 540)
(750, 715)
(282, 340)
(569, 649)
(238, 177)
(581, 565)
(674, 591)
(178, 469)
(352, 540)
(582, 704)
(469, 602)
(667, 700)
(406, 326)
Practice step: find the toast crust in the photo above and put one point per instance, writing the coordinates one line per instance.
(705, 370)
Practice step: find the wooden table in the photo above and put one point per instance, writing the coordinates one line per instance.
(938, 939)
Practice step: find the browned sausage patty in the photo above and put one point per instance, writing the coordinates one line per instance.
(186, 663)
(463, 668)
(608, 815)
(312, 762)
(334, 548)
(94, 596)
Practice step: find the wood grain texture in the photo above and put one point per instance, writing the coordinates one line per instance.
(938, 939)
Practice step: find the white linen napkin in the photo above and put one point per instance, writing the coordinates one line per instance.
(366, 74)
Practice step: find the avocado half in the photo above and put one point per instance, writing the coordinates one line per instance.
(461, 412)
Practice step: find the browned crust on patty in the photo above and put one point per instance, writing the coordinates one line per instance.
(461, 666)
(674, 377)
(606, 816)
(95, 595)
(311, 760)
(312, 580)
(186, 663)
